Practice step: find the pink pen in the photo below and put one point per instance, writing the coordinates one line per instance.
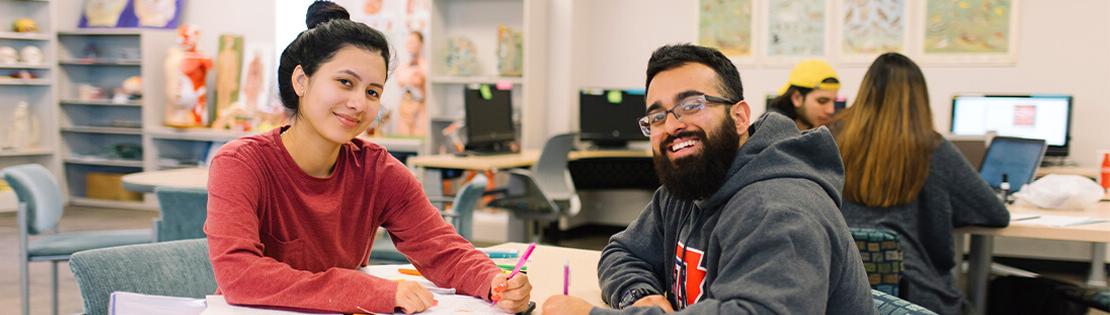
(566, 277)
(523, 259)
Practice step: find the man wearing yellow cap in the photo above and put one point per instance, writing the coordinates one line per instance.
(809, 95)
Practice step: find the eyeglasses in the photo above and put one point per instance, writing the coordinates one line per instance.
(689, 106)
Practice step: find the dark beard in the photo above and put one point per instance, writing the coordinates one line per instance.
(698, 177)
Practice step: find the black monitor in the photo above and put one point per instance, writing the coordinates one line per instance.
(1046, 117)
(607, 117)
(489, 119)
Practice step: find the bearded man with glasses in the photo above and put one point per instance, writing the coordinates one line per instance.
(748, 219)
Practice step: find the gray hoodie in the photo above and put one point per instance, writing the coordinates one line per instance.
(771, 240)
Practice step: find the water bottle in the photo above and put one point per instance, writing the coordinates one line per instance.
(1004, 189)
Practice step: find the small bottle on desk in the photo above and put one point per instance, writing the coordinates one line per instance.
(1004, 189)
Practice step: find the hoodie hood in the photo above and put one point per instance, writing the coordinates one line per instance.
(777, 149)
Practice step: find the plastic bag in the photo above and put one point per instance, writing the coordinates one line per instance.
(1060, 192)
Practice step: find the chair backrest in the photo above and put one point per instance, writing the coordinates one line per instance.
(466, 199)
(183, 213)
(881, 251)
(36, 187)
(550, 170)
(178, 268)
(887, 304)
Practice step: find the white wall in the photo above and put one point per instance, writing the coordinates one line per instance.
(1062, 49)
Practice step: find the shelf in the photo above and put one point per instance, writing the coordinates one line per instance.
(101, 203)
(24, 36)
(99, 103)
(101, 32)
(26, 152)
(195, 134)
(102, 62)
(475, 79)
(31, 82)
(395, 144)
(104, 162)
(24, 66)
(104, 130)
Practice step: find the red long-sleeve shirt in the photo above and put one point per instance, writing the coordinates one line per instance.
(280, 237)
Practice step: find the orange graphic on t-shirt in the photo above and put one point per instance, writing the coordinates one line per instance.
(695, 277)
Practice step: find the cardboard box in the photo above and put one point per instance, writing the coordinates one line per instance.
(108, 186)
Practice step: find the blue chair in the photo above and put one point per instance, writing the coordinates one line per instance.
(177, 268)
(881, 251)
(40, 209)
(887, 304)
(183, 213)
(461, 216)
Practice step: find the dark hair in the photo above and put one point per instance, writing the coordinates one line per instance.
(784, 103)
(674, 56)
(329, 30)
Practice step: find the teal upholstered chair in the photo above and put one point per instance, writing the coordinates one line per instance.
(40, 209)
(183, 213)
(882, 258)
(461, 216)
(887, 304)
(176, 268)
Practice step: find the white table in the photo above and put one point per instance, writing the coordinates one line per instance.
(982, 244)
(145, 182)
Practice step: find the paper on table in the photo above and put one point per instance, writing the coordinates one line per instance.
(218, 306)
(127, 303)
(448, 301)
(1061, 221)
(392, 272)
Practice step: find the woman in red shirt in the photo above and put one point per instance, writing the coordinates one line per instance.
(292, 212)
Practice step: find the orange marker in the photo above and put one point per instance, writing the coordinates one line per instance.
(411, 272)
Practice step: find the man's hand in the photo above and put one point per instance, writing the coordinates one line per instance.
(565, 304)
(511, 295)
(655, 301)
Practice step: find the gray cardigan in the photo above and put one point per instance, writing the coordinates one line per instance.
(954, 196)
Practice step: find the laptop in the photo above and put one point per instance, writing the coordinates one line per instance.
(1017, 158)
(973, 148)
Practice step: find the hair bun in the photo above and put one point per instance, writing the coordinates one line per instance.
(323, 11)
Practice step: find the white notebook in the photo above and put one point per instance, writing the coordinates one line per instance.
(124, 303)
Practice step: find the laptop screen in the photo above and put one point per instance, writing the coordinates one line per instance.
(1018, 158)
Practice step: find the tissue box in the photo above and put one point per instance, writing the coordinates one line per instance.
(108, 186)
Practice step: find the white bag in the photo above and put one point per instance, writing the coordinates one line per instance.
(1060, 192)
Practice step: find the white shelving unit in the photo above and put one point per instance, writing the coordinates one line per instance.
(37, 93)
(99, 135)
(478, 20)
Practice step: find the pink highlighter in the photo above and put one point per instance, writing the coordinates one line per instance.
(566, 276)
(523, 259)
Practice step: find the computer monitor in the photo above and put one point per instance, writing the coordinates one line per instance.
(607, 117)
(1017, 158)
(489, 119)
(1046, 117)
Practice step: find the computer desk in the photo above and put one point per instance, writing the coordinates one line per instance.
(982, 244)
(1068, 170)
(545, 272)
(432, 164)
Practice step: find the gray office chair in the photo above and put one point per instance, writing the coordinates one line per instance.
(183, 213)
(40, 210)
(461, 216)
(177, 268)
(541, 195)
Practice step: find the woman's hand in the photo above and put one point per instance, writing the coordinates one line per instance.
(412, 297)
(511, 295)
